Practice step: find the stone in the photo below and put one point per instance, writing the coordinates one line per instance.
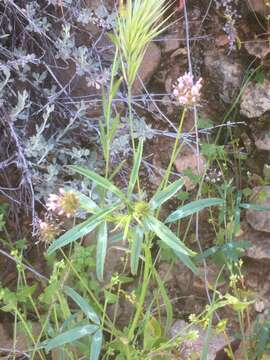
(149, 65)
(258, 48)
(187, 160)
(263, 143)
(171, 43)
(225, 72)
(255, 99)
(260, 220)
(190, 348)
(260, 249)
(259, 6)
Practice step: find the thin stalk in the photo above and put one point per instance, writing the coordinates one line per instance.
(175, 150)
(146, 279)
(130, 119)
(29, 333)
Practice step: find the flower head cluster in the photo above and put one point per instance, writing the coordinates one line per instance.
(186, 91)
(47, 231)
(66, 203)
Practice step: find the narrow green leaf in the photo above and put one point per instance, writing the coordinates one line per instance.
(99, 180)
(87, 203)
(114, 127)
(80, 230)
(102, 240)
(226, 249)
(136, 248)
(254, 207)
(85, 307)
(162, 196)
(166, 301)
(96, 345)
(192, 208)
(172, 241)
(70, 336)
(136, 167)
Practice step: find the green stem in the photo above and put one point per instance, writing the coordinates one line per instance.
(130, 118)
(146, 278)
(174, 152)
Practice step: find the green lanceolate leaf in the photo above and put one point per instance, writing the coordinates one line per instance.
(99, 180)
(81, 230)
(136, 248)
(87, 203)
(162, 196)
(85, 307)
(192, 208)
(166, 300)
(136, 167)
(254, 207)
(96, 345)
(172, 241)
(102, 241)
(70, 336)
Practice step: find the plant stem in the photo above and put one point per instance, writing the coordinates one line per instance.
(146, 278)
(174, 152)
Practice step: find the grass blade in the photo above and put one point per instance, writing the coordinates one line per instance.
(136, 167)
(80, 230)
(96, 345)
(254, 207)
(136, 248)
(85, 307)
(172, 241)
(102, 241)
(99, 180)
(70, 336)
(162, 196)
(192, 208)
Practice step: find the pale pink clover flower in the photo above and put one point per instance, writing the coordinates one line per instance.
(186, 91)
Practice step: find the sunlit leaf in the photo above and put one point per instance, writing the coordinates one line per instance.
(162, 196)
(192, 208)
(85, 307)
(136, 248)
(70, 336)
(99, 180)
(81, 230)
(172, 241)
(102, 241)
(96, 345)
(254, 207)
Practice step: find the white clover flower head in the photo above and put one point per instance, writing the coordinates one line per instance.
(186, 91)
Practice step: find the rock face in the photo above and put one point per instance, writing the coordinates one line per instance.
(226, 74)
(260, 244)
(260, 220)
(259, 6)
(187, 160)
(191, 348)
(148, 66)
(255, 100)
(263, 143)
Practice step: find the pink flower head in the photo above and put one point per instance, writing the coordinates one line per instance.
(47, 232)
(186, 91)
(65, 203)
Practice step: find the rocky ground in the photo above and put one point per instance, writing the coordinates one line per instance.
(233, 60)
